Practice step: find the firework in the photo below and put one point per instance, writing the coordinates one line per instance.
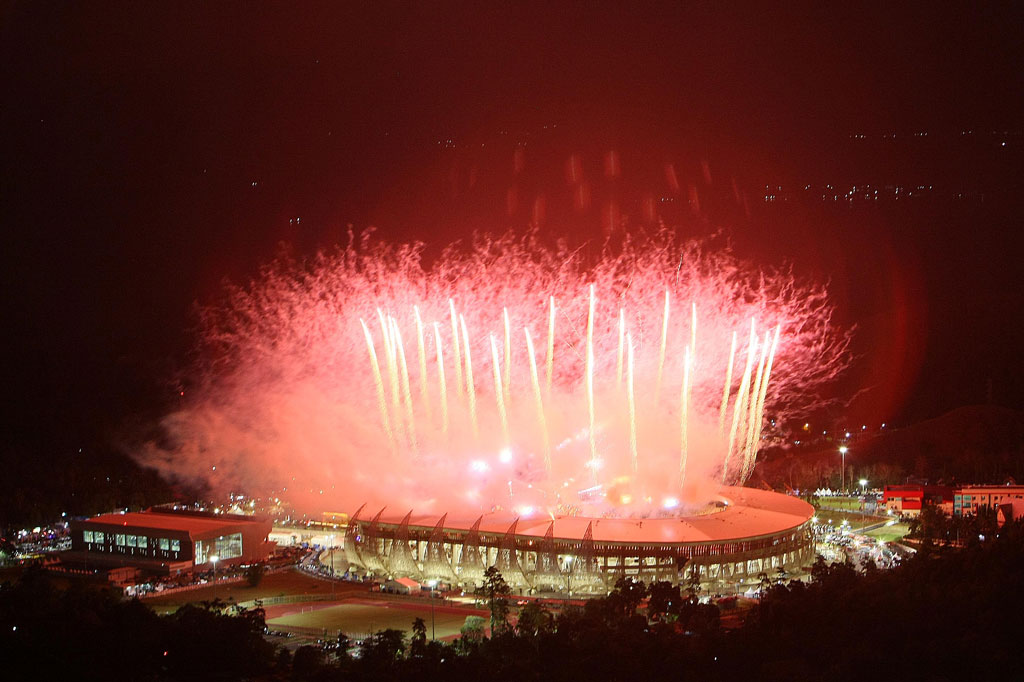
(633, 403)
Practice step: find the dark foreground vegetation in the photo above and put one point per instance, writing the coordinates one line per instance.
(948, 614)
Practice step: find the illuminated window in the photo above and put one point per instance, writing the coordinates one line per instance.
(229, 546)
(120, 540)
(87, 535)
(165, 544)
(202, 550)
(132, 540)
(175, 546)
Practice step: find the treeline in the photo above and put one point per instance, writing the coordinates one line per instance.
(947, 614)
(89, 633)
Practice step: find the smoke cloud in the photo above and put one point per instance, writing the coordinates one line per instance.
(320, 380)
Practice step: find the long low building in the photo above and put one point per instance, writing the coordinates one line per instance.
(970, 498)
(170, 541)
(741, 534)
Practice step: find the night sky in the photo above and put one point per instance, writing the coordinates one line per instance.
(152, 150)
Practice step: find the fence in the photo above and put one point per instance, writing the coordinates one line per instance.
(194, 586)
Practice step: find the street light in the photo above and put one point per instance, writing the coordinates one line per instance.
(863, 485)
(331, 551)
(842, 472)
(432, 584)
(213, 560)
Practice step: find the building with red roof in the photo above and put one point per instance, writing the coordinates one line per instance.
(170, 541)
(909, 500)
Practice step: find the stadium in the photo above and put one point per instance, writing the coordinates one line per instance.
(569, 402)
(742, 533)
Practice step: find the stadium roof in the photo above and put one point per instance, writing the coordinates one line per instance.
(748, 513)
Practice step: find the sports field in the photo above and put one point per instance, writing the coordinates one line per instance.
(280, 584)
(361, 617)
(856, 520)
(891, 533)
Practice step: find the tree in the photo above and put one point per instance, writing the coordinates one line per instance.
(533, 620)
(495, 592)
(699, 618)
(820, 569)
(344, 644)
(633, 592)
(254, 574)
(764, 583)
(472, 632)
(384, 647)
(664, 596)
(418, 644)
(256, 617)
(307, 661)
(284, 659)
(693, 587)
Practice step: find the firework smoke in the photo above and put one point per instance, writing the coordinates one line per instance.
(319, 378)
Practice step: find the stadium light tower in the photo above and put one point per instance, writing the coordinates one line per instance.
(842, 472)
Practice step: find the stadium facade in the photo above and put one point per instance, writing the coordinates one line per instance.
(741, 534)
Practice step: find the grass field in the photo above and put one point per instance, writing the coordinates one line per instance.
(890, 533)
(365, 618)
(272, 585)
(856, 520)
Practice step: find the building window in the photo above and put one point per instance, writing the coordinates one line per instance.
(175, 545)
(87, 535)
(229, 546)
(165, 544)
(120, 539)
(98, 537)
(132, 540)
